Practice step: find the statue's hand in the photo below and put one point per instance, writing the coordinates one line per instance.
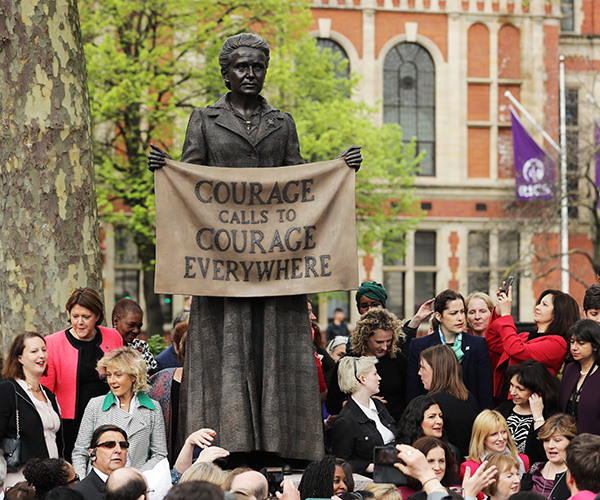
(352, 156)
(156, 158)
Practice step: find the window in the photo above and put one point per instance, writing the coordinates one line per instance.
(567, 23)
(410, 286)
(490, 254)
(409, 97)
(336, 48)
(127, 273)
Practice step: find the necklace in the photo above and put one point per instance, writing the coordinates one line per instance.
(31, 388)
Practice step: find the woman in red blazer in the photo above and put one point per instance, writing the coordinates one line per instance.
(554, 314)
(72, 357)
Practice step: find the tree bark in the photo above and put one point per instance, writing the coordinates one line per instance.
(49, 241)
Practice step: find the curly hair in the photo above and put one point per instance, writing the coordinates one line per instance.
(128, 361)
(409, 425)
(317, 480)
(46, 474)
(372, 320)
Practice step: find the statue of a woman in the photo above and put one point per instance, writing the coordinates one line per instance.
(250, 370)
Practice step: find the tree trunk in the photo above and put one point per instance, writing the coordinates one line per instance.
(48, 217)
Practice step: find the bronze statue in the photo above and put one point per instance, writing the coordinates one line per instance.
(249, 370)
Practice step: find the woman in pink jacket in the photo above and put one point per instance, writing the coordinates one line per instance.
(554, 314)
(72, 357)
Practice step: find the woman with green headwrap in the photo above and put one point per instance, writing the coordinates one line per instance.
(372, 294)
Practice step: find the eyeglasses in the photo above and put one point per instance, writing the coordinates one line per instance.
(355, 372)
(74, 480)
(109, 445)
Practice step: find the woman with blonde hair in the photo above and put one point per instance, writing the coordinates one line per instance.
(377, 333)
(204, 471)
(441, 376)
(383, 491)
(364, 422)
(128, 406)
(491, 435)
(479, 311)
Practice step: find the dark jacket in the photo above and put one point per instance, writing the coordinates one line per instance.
(476, 368)
(216, 137)
(560, 490)
(33, 444)
(354, 435)
(588, 418)
(91, 487)
(391, 388)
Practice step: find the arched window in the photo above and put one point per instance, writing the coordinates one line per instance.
(409, 97)
(336, 48)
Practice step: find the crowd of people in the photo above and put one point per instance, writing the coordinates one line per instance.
(473, 406)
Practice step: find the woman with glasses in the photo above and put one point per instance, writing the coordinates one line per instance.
(364, 422)
(128, 406)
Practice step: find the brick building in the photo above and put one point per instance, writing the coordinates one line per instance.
(440, 69)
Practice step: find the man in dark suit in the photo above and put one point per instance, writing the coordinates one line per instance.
(108, 453)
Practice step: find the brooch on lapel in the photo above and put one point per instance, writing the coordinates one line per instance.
(270, 122)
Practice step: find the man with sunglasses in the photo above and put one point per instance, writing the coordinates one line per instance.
(108, 453)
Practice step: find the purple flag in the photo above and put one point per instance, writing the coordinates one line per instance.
(597, 156)
(534, 170)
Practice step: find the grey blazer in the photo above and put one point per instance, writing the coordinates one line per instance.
(145, 430)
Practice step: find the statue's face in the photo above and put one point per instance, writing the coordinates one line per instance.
(247, 71)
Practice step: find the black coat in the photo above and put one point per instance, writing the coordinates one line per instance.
(391, 388)
(476, 368)
(354, 435)
(33, 444)
(91, 487)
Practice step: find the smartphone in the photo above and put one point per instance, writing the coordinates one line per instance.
(509, 282)
(384, 458)
(274, 478)
(385, 455)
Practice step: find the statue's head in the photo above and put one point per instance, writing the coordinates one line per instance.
(247, 40)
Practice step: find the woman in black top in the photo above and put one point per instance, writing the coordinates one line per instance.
(441, 376)
(534, 393)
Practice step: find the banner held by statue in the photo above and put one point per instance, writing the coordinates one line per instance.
(232, 232)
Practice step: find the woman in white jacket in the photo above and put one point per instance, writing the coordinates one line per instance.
(128, 406)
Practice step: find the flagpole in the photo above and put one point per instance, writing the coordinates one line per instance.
(526, 114)
(564, 202)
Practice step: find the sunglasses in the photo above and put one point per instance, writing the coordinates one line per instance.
(74, 480)
(109, 445)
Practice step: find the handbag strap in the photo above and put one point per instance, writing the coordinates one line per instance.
(17, 412)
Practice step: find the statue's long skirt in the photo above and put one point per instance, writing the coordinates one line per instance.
(250, 374)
